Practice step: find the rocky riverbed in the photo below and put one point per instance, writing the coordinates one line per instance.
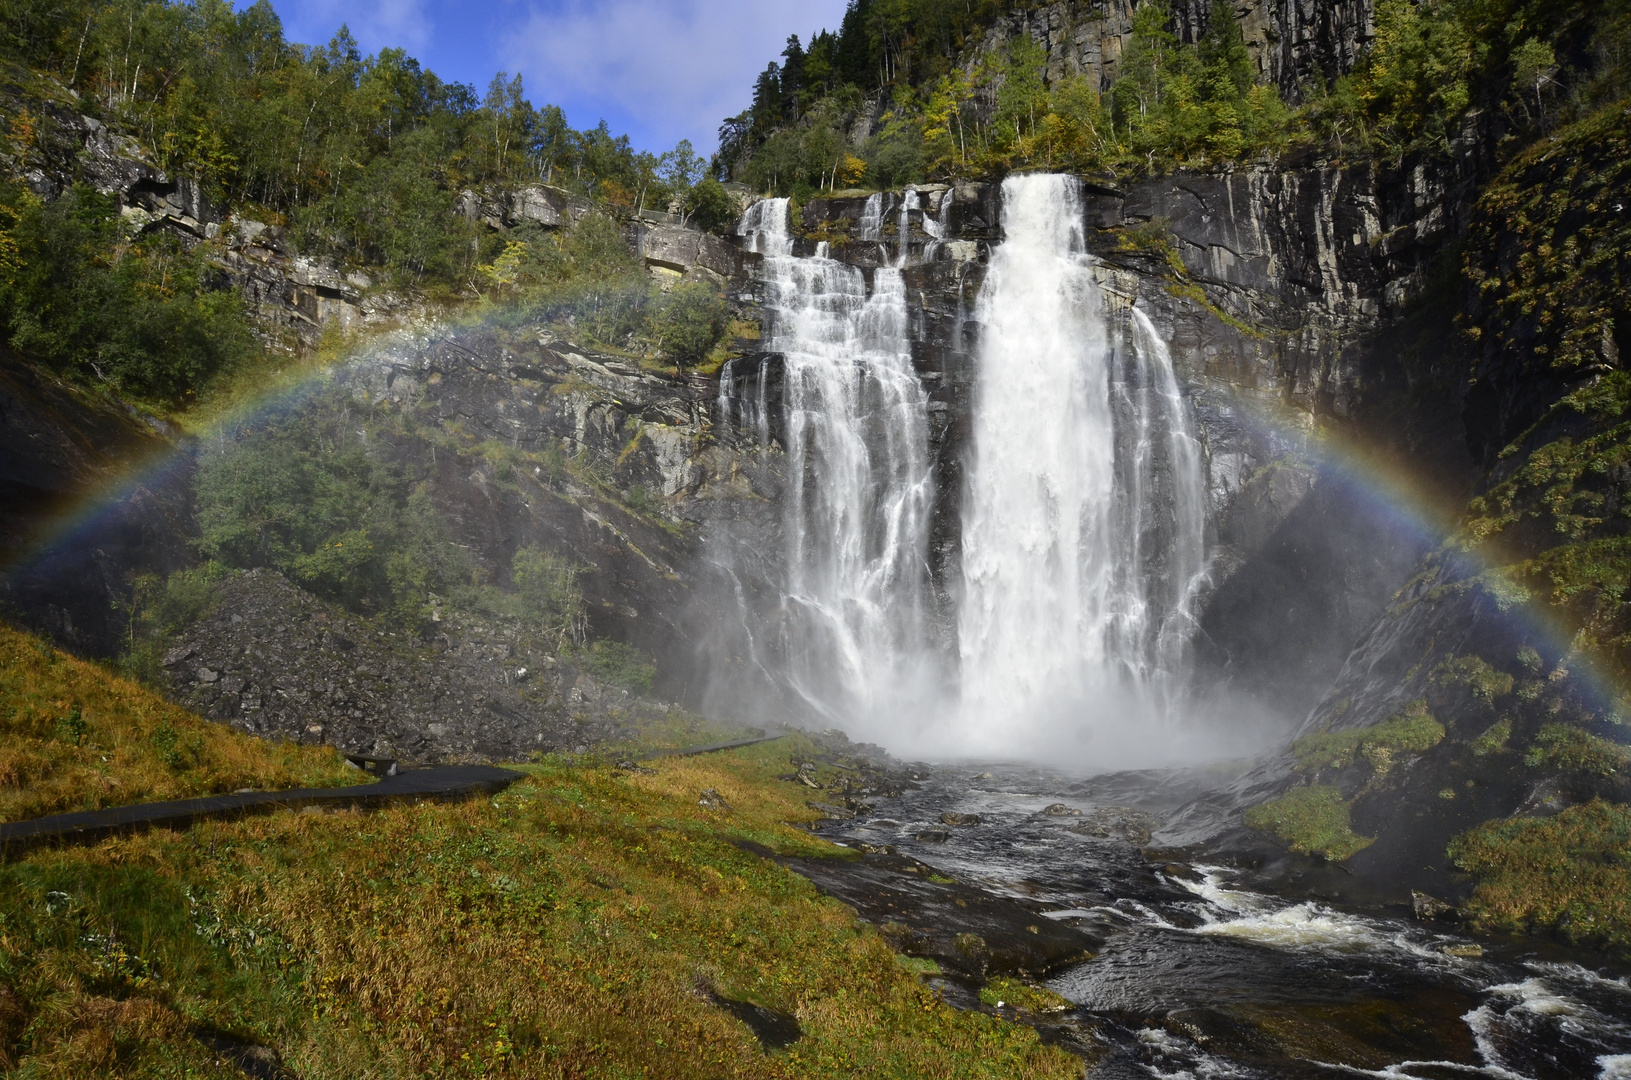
(1172, 969)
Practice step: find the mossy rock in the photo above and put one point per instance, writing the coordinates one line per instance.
(1312, 820)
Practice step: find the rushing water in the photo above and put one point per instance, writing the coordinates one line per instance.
(1201, 977)
(1083, 527)
(856, 509)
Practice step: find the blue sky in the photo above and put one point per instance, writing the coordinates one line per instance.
(656, 70)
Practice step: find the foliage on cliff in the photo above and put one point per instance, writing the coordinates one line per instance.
(583, 923)
(362, 159)
(79, 295)
(967, 92)
(363, 154)
(1311, 820)
(73, 736)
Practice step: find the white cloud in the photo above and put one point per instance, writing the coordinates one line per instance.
(376, 24)
(675, 67)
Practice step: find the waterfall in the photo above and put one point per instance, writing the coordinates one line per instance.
(859, 481)
(1083, 520)
(870, 226)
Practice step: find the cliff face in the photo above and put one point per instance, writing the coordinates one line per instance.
(1291, 43)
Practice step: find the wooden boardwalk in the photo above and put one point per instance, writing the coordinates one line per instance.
(441, 783)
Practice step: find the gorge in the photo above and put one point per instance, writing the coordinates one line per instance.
(1089, 534)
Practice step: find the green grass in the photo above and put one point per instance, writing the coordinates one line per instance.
(1563, 746)
(1412, 731)
(1494, 738)
(1569, 874)
(1311, 820)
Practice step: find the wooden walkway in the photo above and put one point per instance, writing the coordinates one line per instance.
(441, 783)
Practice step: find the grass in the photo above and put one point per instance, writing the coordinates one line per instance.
(1311, 820)
(74, 736)
(1412, 731)
(1569, 874)
(576, 925)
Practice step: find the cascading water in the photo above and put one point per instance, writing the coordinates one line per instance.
(1083, 522)
(856, 511)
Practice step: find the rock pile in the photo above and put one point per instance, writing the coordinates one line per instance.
(277, 662)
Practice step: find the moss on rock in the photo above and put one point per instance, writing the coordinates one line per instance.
(1412, 731)
(1311, 820)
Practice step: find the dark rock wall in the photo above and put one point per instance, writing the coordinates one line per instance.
(90, 493)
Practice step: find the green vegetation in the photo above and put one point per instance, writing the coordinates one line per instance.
(1413, 731)
(305, 493)
(1564, 746)
(585, 279)
(80, 296)
(1312, 820)
(1023, 996)
(561, 928)
(1171, 104)
(74, 736)
(1569, 874)
(1554, 527)
(1485, 682)
(361, 159)
(546, 593)
(618, 664)
(1494, 738)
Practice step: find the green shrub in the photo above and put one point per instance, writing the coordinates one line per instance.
(1564, 746)
(1570, 873)
(142, 315)
(619, 664)
(711, 208)
(1312, 821)
(334, 510)
(1485, 682)
(688, 321)
(546, 585)
(1494, 739)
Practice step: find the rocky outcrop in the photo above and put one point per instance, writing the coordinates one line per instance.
(543, 205)
(680, 250)
(276, 662)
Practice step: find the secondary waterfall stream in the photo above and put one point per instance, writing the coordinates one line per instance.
(856, 508)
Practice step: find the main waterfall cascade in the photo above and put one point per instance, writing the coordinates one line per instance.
(856, 510)
(1084, 520)
(1083, 533)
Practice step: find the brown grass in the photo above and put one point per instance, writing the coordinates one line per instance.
(74, 736)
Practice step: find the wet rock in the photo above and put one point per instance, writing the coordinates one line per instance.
(1430, 907)
(963, 928)
(952, 817)
(934, 836)
(774, 1029)
(1059, 809)
(831, 812)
